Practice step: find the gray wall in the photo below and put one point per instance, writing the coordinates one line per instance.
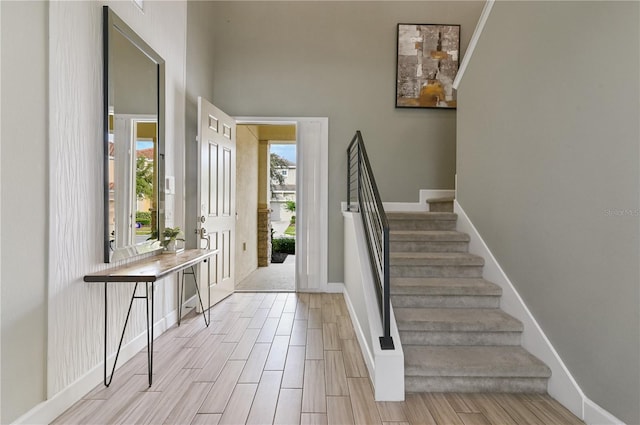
(24, 214)
(548, 171)
(199, 82)
(337, 59)
(76, 179)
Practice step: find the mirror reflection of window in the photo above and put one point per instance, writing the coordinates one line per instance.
(111, 182)
(146, 175)
(134, 172)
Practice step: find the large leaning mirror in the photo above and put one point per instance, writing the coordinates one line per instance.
(133, 142)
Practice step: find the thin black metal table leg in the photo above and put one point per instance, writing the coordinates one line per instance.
(208, 288)
(124, 328)
(181, 285)
(149, 341)
(195, 282)
(152, 304)
(106, 309)
(180, 296)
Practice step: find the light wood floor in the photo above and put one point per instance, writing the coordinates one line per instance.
(285, 359)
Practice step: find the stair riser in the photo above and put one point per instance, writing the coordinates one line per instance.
(428, 246)
(436, 271)
(460, 338)
(415, 384)
(422, 224)
(445, 301)
(449, 259)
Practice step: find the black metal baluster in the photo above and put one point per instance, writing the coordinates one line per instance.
(376, 228)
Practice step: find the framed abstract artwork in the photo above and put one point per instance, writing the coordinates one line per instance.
(427, 63)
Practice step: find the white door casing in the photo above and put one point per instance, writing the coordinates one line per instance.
(125, 136)
(217, 200)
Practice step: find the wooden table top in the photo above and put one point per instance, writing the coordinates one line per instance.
(152, 268)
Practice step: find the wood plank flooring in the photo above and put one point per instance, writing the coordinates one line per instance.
(281, 358)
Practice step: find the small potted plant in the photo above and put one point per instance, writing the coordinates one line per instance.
(170, 236)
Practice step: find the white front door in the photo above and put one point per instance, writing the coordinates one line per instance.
(217, 200)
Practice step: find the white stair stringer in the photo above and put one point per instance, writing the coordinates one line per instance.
(561, 386)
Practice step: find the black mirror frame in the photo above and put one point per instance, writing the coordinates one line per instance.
(111, 22)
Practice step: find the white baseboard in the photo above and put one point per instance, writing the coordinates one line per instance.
(48, 410)
(189, 305)
(360, 336)
(384, 366)
(419, 206)
(562, 386)
(405, 206)
(596, 415)
(335, 287)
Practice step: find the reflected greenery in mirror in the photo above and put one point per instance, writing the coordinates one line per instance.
(133, 142)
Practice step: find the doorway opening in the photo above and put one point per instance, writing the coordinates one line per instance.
(312, 197)
(266, 197)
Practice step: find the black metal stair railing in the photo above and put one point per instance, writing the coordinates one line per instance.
(363, 197)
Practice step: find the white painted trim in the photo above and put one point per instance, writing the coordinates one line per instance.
(313, 256)
(455, 185)
(50, 409)
(189, 305)
(386, 367)
(335, 288)
(596, 415)
(405, 207)
(140, 4)
(419, 206)
(474, 41)
(389, 371)
(360, 336)
(1, 257)
(562, 386)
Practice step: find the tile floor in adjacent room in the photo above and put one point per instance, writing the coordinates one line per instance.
(277, 277)
(282, 358)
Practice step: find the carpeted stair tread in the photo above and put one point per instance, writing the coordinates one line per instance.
(478, 361)
(427, 235)
(454, 335)
(422, 220)
(456, 320)
(428, 240)
(443, 286)
(435, 259)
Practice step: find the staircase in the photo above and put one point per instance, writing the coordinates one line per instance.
(454, 336)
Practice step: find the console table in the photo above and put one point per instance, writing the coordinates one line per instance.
(148, 271)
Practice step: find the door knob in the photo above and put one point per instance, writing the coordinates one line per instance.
(204, 236)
